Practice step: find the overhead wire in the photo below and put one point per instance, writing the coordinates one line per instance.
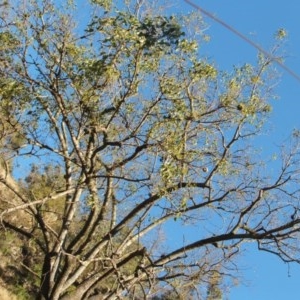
(243, 37)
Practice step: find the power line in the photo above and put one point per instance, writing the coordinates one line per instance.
(243, 37)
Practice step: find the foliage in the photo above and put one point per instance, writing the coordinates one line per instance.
(123, 139)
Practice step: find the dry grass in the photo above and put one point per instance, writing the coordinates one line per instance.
(6, 295)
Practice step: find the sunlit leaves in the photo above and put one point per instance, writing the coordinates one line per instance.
(202, 70)
(281, 34)
(8, 41)
(170, 87)
(187, 46)
(126, 30)
(106, 4)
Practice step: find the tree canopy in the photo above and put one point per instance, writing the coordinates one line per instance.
(117, 140)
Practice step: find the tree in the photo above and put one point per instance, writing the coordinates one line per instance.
(117, 130)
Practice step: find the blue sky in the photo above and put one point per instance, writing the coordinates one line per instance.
(266, 277)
